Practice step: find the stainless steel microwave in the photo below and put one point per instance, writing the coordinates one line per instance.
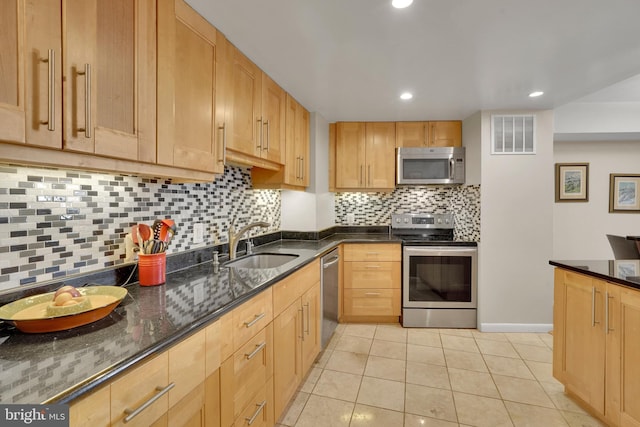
(437, 165)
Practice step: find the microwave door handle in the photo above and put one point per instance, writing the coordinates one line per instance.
(452, 165)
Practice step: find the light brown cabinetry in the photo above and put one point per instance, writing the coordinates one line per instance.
(188, 58)
(595, 345)
(296, 302)
(365, 155)
(429, 134)
(371, 282)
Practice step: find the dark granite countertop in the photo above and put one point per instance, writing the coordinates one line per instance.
(62, 366)
(622, 272)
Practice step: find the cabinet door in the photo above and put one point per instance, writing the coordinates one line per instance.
(629, 347)
(293, 165)
(579, 338)
(272, 133)
(350, 154)
(312, 318)
(411, 134)
(243, 103)
(380, 155)
(109, 73)
(302, 143)
(187, 55)
(287, 358)
(92, 410)
(189, 411)
(445, 134)
(12, 60)
(186, 366)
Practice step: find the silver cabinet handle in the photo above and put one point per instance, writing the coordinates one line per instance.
(259, 135)
(372, 294)
(301, 310)
(594, 291)
(223, 128)
(369, 174)
(297, 167)
(259, 347)
(51, 92)
(87, 100)
(302, 171)
(372, 266)
(266, 123)
(255, 414)
(308, 319)
(607, 297)
(361, 171)
(132, 413)
(255, 319)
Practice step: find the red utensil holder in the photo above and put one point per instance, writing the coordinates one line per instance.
(152, 269)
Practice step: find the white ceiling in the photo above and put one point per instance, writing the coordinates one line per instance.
(351, 59)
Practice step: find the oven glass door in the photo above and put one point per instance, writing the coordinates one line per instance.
(439, 277)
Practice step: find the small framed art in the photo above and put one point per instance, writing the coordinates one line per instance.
(572, 182)
(623, 193)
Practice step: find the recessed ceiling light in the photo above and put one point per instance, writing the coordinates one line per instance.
(406, 96)
(535, 94)
(401, 4)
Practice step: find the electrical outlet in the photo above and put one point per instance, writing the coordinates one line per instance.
(351, 219)
(198, 232)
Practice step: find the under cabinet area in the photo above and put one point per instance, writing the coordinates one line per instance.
(595, 342)
(371, 283)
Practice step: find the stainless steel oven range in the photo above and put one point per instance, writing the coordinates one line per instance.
(439, 275)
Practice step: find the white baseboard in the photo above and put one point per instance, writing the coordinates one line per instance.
(515, 327)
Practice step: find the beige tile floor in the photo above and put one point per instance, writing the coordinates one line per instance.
(388, 376)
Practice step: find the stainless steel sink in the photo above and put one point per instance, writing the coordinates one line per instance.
(262, 260)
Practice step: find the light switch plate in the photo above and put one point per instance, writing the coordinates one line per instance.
(198, 232)
(351, 218)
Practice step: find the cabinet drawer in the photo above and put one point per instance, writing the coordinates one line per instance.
(372, 302)
(250, 317)
(291, 288)
(259, 411)
(186, 366)
(373, 274)
(137, 387)
(246, 372)
(372, 252)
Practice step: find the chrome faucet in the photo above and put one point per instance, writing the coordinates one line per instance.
(234, 237)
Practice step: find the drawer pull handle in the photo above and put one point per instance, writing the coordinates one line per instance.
(255, 320)
(373, 253)
(308, 319)
(87, 100)
(132, 413)
(301, 310)
(372, 266)
(256, 351)
(51, 92)
(255, 414)
(372, 294)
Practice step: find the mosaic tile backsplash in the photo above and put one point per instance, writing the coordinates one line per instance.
(55, 223)
(376, 208)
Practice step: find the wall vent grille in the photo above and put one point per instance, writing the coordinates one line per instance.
(513, 134)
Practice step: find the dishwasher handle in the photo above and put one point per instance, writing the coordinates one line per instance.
(330, 261)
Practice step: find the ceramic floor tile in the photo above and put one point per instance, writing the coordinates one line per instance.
(525, 338)
(333, 342)
(370, 416)
(425, 354)
(430, 402)
(508, 366)
(575, 419)
(428, 375)
(522, 391)
(494, 336)
(534, 353)
(322, 411)
(457, 332)
(338, 385)
(382, 393)
(411, 420)
(542, 371)
(347, 361)
(391, 350)
(555, 391)
(464, 360)
(534, 416)
(359, 330)
(340, 327)
(547, 339)
(424, 337)
(391, 333)
(480, 383)
(481, 411)
(496, 348)
(292, 413)
(385, 368)
(310, 381)
(454, 342)
(354, 344)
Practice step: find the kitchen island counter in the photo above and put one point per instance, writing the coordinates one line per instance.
(59, 367)
(621, 272)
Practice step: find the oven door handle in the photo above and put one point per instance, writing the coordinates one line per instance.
(440, 250)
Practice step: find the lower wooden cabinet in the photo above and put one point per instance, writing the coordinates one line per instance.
(596, 347)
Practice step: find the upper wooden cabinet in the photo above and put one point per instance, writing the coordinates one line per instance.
(96, 55)
(188, 57)
(429, 134)
(365, 155)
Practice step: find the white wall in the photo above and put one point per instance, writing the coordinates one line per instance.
(472, 141)
(579, 228)
(515, 280)
(313, 209)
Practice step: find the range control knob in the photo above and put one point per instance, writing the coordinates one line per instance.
(406, 220)
(446, 221)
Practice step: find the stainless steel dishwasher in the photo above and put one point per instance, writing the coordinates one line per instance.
(329, 280)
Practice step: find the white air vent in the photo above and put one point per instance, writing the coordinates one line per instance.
(513, 134)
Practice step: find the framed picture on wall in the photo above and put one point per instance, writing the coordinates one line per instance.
(623, 193)
(572, 182)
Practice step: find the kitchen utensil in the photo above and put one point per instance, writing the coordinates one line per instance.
(157, 226)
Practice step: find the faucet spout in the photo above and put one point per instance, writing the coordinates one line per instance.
(234, 236)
